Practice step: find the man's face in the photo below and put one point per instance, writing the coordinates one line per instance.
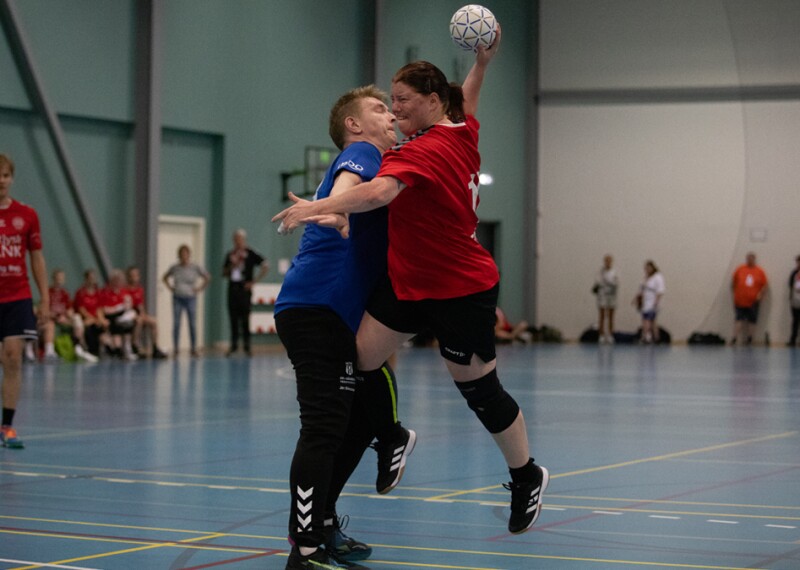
(6, 180)
(751, 259)
(377, 123)
(133, 276)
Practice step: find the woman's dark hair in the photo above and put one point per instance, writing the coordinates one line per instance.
(652, 264)
(425, 78)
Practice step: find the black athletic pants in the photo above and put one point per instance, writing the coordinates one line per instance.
(338, 410)
(795, 325)
(239, 299)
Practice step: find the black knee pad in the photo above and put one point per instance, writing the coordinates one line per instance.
(495, 407)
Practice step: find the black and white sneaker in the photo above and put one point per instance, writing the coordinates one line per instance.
(318, 560)
(342, 547)
(392, 457)
(526, 501)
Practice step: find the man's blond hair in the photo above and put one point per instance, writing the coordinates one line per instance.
(349, 105)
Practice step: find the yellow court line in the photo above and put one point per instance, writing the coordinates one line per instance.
(186, 544)
(638, 461)
(182, 543)
(543, 557)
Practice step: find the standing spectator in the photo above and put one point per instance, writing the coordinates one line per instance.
(240, 264)
(605, 288)
(185, 279)
(649, 301)
(794, 301)
(749, 284)
(143, 319)
(90, 323)
(19, 235)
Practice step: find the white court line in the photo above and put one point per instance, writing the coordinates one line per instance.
(721, 522)
(780, 526)
(615, 513)
(665, 517)
(45, 564)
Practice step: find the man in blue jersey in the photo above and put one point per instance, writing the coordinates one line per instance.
(317, 315)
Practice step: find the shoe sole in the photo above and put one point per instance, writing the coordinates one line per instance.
(545, 482)
(412, 441)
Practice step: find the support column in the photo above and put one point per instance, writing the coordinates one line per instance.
(147, 138)
(531, 205)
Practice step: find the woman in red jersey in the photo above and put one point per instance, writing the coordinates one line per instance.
(439, 275)
(19, 235)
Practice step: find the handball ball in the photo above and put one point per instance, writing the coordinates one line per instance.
(473, 26)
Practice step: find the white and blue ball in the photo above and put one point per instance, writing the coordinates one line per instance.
(473, 26)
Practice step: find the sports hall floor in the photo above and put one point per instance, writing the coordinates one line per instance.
(660, 458)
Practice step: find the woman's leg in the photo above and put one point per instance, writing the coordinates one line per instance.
(376, 343)
(191, 313)
(177, 309)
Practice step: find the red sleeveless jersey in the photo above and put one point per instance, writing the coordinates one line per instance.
(433, 252)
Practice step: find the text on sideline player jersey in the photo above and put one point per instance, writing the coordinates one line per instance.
(86, 299)
(433, 251)
(19, 234)
(60, 302)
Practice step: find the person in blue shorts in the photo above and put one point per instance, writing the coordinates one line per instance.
(20, 237)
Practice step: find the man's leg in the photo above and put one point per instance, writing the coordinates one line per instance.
(322, 351)
(12, 348)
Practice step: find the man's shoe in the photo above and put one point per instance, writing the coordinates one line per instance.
(51, 358)
(158, 353)
(84, 354)
(392, 457)
(526, 501)
(341, 547)
(319, 560)
(9, 438)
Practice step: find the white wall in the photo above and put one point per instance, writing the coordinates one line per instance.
(690, 184)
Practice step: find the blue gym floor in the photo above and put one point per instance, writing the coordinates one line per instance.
(660, 458)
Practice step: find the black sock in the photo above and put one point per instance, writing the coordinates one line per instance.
(8, 416)
(524, 473)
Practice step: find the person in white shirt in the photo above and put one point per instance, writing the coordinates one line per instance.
(605, 288)
(649, 300)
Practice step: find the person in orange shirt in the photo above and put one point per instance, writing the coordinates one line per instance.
(749, 285)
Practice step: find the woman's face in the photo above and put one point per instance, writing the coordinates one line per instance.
(413, 110)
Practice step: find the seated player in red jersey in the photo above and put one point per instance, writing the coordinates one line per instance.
(143, 319)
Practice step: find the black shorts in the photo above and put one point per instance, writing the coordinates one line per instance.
(17, 319)
(463, 326)
(118, 325)
(749, 314)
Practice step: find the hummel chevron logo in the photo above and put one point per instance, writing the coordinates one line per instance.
(304, 494)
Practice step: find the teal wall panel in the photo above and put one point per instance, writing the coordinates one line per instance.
(246, 86)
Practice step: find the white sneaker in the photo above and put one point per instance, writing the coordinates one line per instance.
(130, 356)
(610, 339)
(85, 354)
(51, 357)
(29, 355)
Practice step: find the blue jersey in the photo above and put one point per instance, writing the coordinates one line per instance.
(337, 273)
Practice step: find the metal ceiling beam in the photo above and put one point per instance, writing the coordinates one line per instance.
(20, 49)
(147, 138)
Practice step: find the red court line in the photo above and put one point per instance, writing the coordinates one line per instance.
(66, 534)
